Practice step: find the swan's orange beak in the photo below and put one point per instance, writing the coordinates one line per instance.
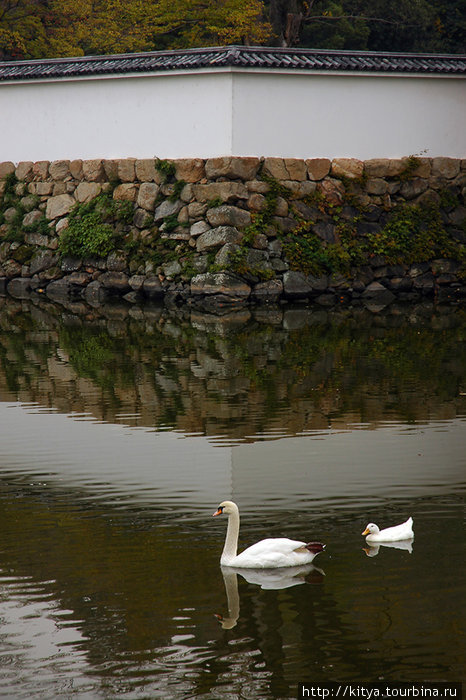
(366, 531)
(217, 512)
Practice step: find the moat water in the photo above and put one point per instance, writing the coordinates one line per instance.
(123, 428)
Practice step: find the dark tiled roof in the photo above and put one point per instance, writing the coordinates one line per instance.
(235, 56)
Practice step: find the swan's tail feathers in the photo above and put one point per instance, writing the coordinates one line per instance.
(315, 547)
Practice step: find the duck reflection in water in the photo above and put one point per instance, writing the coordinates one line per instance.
(267, 579)
(373, 549)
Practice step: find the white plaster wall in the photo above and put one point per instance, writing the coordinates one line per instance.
(206, 114)
(310, 116)
(168, 116)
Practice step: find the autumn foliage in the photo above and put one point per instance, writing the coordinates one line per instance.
(56, 28)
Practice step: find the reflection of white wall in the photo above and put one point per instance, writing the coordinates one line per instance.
(335, 469)
(205, 113)
(156, 467)
(351, 467)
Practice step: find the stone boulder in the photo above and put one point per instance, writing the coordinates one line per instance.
(375, 291)
(152, 287)
(217, 237)
(350, 168)
(146, 171)
(59, 169)
(126, 192)
(115, 281)
(95, 294)
(297, 285)
(228, 216)
(447, 168)
(147, 195)
(20, 288)
(268, 292)
(384, 167)
(42, 261)
(24, 170)
(220, 283)
(6, 168)
(167, 208)
(318, 168)
(234, 168)
(189, 169)
(86, 191)
(227, 192)
(59, 206)
(198, 228)
(93, 170)
(126, 169)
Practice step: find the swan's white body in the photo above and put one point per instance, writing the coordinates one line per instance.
(396, 533)
(272, 553)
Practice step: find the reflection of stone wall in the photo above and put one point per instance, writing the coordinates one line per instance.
(223, 228)
(236, 378)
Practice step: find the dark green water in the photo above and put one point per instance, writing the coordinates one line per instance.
(121, 431)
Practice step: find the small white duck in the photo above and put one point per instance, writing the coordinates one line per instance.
(271, 553)
(390, 534)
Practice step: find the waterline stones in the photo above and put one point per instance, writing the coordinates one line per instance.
(222, 230)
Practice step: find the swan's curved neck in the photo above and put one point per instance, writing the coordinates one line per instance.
(231, 540)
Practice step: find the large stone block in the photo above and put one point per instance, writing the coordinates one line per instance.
(76, 168)
(40, 169)
(126, 192)
(146, 171)
(384, 167)
(43, 189)
(198, 228)
(126, 169)
(318, 168)
(152, 287)
(217, 237)
(117, 281)
(268, 292)
(275, 167)
(220, 283)
(6, 168)
(86, 191)
(111, 170)
(59, 206)
(147, 195)
(93, 170)
(42, 261)
(413, 188)
(228, 216)
(24, 170)
(447, 168)
(297, 285)
(350, 168)
(231, 167)
(189, 169)
(296, 169)
(167, 208)
(227, 192)
(59, 169)
(31, 218)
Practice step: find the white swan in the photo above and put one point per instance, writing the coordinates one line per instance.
(271, 553)
(390, 534)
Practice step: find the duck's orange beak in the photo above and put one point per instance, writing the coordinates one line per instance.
(217, 512)
(366, 531)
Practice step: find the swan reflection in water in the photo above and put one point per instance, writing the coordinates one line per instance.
(267, 579)
(373, 549)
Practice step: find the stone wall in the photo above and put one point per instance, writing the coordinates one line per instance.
(228, 231)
